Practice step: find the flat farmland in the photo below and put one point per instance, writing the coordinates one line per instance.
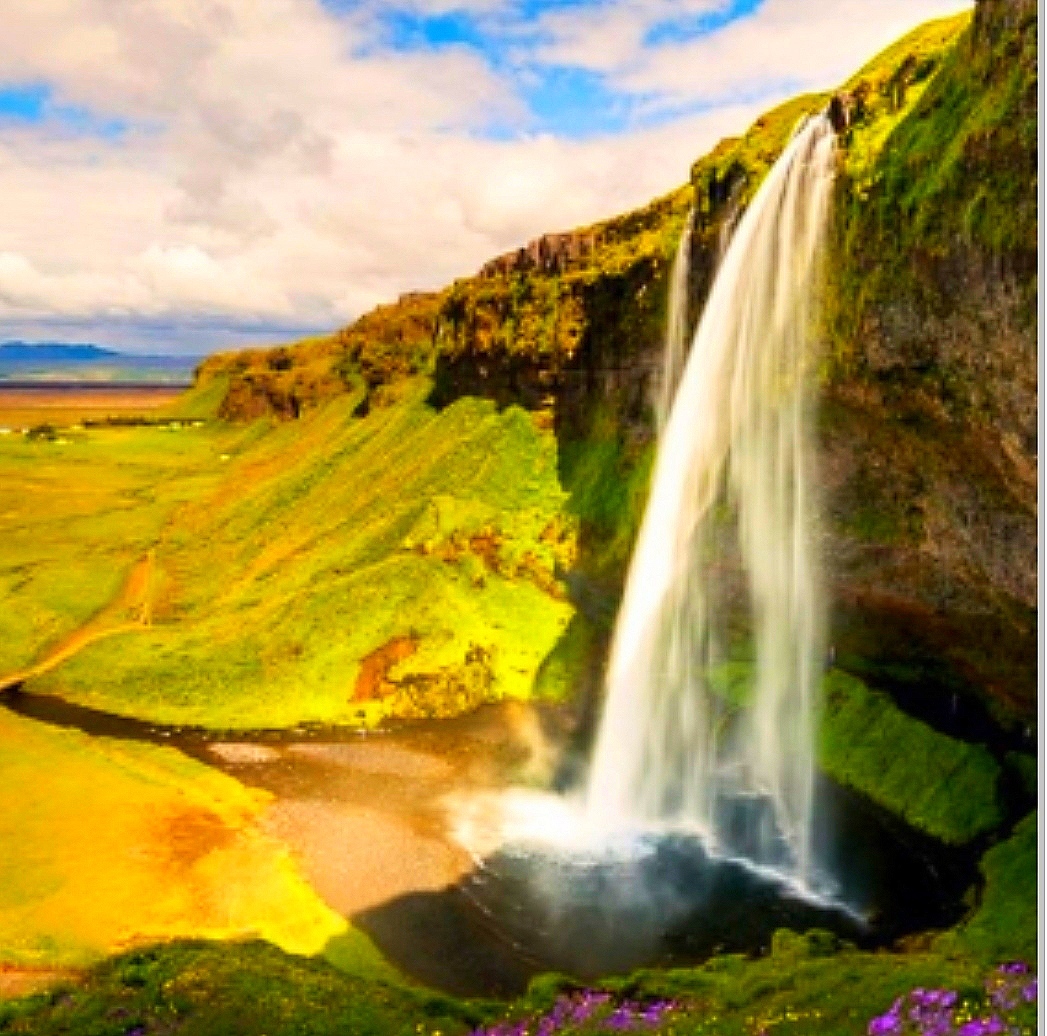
(30, 406)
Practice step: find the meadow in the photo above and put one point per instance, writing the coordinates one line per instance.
(281, 556)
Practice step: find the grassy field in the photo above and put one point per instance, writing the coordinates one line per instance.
(105, 845)
(283, 555)
(29, 408)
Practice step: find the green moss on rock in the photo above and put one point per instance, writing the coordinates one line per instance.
(1004, 925)
(944, 787)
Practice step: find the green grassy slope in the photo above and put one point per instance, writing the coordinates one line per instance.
(937, 784)
(285, 554)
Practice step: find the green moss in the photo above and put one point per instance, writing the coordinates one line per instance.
(939, 785)
(565, 668)
(1027, 770)
(941, 162)
(1004, 925)
(608, 491)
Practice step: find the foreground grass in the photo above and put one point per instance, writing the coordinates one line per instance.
(207, 989)
(105, 844)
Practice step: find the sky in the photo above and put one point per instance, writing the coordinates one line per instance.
(188, 175)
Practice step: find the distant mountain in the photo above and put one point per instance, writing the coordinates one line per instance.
(64, 361)
(35, 353)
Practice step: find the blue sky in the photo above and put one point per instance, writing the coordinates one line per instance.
(34, 104)
(193, 174)
(559, 97)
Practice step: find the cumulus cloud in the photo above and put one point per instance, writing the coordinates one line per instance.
(273, 164)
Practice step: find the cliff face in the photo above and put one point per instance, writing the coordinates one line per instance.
(930, 417)
(929, 414)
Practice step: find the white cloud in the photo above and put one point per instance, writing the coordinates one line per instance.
(277, 168)
(805, 44)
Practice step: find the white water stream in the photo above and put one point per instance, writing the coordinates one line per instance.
(736, 453)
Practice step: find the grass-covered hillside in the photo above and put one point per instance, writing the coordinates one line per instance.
(333, 569)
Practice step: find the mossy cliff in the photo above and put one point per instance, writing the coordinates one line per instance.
(930, 415)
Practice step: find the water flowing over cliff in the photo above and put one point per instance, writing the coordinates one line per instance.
(739, 433)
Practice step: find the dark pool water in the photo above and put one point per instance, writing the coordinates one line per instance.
(526, 912)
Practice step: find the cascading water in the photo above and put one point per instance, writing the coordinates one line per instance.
(738, 434)
(675, 353)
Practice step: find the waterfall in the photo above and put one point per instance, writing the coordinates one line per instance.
(674, 353)
(735, 456)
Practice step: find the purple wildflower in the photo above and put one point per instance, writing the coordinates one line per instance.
(587, 1004)
(1014, 967)
(982, 1027)
(621, 1019)
(1030, 991)
(888, 1024)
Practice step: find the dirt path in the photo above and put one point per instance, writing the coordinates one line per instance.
(135, 599)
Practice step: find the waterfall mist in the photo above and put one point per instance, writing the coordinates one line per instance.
(735, 456)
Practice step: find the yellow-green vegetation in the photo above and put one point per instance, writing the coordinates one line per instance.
(945, 787)
(105, 844)
(883, 92)
(285, 554)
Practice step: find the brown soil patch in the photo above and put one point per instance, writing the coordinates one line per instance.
(17, 981)
(26, 408)
(372, 681)
(184, 838)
